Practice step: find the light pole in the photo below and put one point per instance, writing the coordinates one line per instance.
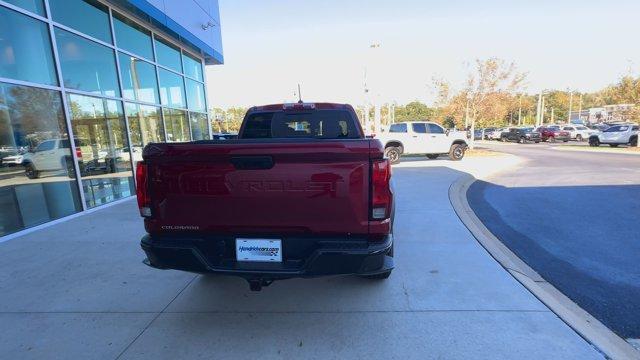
(466, 115)
(366, 103)
(539, 110)
(367, 98)
(570, 107)
(520, 111)
(580, 109)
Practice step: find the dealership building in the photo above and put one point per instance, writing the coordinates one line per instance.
(84, 86)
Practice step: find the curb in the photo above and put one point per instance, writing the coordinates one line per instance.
(588, 327)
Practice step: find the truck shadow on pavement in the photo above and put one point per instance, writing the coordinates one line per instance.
(581, 239)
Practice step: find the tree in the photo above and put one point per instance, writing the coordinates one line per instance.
(414, 111)
(490, 90)
(488, 98)
(229, 120)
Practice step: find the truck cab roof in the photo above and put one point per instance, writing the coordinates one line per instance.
(300, 106)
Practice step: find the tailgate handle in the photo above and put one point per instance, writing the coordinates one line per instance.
(252, 162)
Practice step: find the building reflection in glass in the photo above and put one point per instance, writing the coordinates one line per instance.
(37, 176)
(102, 149)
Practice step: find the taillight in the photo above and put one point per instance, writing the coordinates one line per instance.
(381, 195)
(142, 188)
(79, 153)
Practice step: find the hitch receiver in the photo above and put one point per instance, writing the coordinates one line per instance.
(257, 284)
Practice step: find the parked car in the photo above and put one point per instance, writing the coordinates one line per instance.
(496, 134)
(579, 132)
(477, 134)
(301, 193)
(521, 135)
(553, 133)
(12, 157)
(487, 132)
(616, 135)
(422, 137)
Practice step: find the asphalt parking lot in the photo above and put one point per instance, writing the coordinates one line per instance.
(78, 290)
(573, 217)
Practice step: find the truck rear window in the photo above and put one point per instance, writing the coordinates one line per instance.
(317, 124)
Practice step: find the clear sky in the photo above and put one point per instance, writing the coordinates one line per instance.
(272, 45)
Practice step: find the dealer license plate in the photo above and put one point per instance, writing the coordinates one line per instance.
(266, 250)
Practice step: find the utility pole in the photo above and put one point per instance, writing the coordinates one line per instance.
(539, 109)
(580, 109)
(393, 112)
(466, 116)
(544, 109)
(367, 128)
(376, 119)
(570, 107)
(520, 111)
(552, 115)
(472, 142)
(367, 120)
(390, 113)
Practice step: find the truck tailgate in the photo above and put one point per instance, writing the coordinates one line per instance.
(260, 187)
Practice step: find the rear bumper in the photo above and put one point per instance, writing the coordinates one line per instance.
(301, 257)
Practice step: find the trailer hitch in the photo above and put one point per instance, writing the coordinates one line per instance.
(257, 284)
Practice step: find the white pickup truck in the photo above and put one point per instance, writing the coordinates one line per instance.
(422, 137)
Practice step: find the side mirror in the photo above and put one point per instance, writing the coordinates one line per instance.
(447, 132)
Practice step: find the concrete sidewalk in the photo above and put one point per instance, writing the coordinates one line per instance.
(78, 290)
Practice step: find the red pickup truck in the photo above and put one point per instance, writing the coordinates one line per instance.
(300, 193)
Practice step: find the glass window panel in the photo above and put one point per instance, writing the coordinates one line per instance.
(35, 6)
(192, 67)
(195, 96)
(199, 126)
(175, 121)
(37, 177)
(87, 16)
(139, 80)
(132, 37)
(171, 89)
(87, 65)
(25, 49)
(145, 126)
(168, 55)
(102, 148)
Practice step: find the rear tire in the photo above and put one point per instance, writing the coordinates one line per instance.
(579, 137)
(433, 156)
(633, 141)
(31, 171)
(594, 142)
(393, 154)
(456, 153)
(67, 163)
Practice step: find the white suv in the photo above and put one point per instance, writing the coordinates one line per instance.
(422, 137)
(626, 134)
(579, 132)
(49, 155)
